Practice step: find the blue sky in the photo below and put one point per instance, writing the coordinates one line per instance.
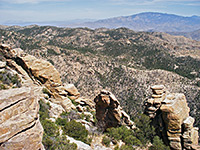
(64, 10)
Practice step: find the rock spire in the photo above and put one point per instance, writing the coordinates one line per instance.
(170, 116)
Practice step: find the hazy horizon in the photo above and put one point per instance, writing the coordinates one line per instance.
(41, 11)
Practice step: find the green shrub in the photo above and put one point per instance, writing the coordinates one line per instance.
(87, 118)
(61, 122)
(50, 128)
(52, 52)
(1, 76)
(119, 133)
(64, 114)
(144, 131)
(57, 143)
(47, 141)
(106, 141)
(51, 61)
(73, 101)
(132, 140)
(15, 79)
(116, 133)
(2, 87)
(124, 147)
(10, 79)
(51, 138)
(46, 91)
(76, 130)
(44, 110)
(70, 115)
(158, 144)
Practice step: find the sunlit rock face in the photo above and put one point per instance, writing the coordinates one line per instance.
(20, 127)
(19, 120)
(170, 116)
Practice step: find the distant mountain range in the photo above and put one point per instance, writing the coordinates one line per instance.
(195, 35)
(147, 21)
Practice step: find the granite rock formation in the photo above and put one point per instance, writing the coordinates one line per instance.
(29, 79)
(170, 116)
(109, 112)
(19, 120)
(42, 73)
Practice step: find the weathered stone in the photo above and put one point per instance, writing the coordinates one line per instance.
(61, 91)
(27, 80)
(157, 100)
(85, 102)
(194, 135)
(174, 113)
(126, 120)
(18, 118)
(150, 101)
(2, 64)
(42, 70)
(72, 90)
(195, 147)
(67, 104)
(108, 111)
(4, 46)
(55, 109)
(80, 145)
(157, 87)
(158, 92)
(153, 109)
(79, 108)
(188, 122)
(29, 139)
(175, 145)
(156, 96)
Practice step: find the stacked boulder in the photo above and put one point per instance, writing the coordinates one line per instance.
(170, 115)
(109, 112)
(153, 104)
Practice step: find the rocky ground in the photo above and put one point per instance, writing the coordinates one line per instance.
(37, 81)
(122, 61)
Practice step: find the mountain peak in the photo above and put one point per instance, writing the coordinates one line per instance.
(146, 21)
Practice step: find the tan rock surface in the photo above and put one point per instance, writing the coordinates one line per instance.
(41, 69)
(157, 87)
(29, 140)
(19, 118)
(71, 89)
(194, 135)
(170, 116)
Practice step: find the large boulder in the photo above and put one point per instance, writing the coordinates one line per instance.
(19, 121)
(39, 69)
(109, 112)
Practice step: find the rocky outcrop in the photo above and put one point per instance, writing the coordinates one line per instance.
(40, 69)
(19, 120)
(109, 112)
(42, 73)
(170, 116)
(20, 127)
